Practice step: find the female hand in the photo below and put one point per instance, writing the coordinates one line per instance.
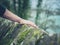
(29, 23)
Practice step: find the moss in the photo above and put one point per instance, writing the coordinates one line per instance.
(12, 32)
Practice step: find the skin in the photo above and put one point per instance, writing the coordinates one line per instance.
(11, 16)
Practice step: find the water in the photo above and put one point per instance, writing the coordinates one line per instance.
(53, 7)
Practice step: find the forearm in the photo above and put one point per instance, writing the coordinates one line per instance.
(9, 15)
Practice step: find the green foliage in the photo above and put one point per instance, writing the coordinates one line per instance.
(28, 34)
(10, 31)
(20, 7)
(23, 8)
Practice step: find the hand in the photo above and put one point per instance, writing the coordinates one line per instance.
(29, 23)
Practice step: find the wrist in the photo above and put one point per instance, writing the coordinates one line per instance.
(20, 21)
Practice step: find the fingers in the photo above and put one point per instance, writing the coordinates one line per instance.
(29, 23)
(33, 25)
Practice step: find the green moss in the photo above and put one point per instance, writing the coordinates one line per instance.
(12, 32)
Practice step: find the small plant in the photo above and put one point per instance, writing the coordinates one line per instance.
(12, 32)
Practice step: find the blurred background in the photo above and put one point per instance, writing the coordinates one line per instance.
(44, 13)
